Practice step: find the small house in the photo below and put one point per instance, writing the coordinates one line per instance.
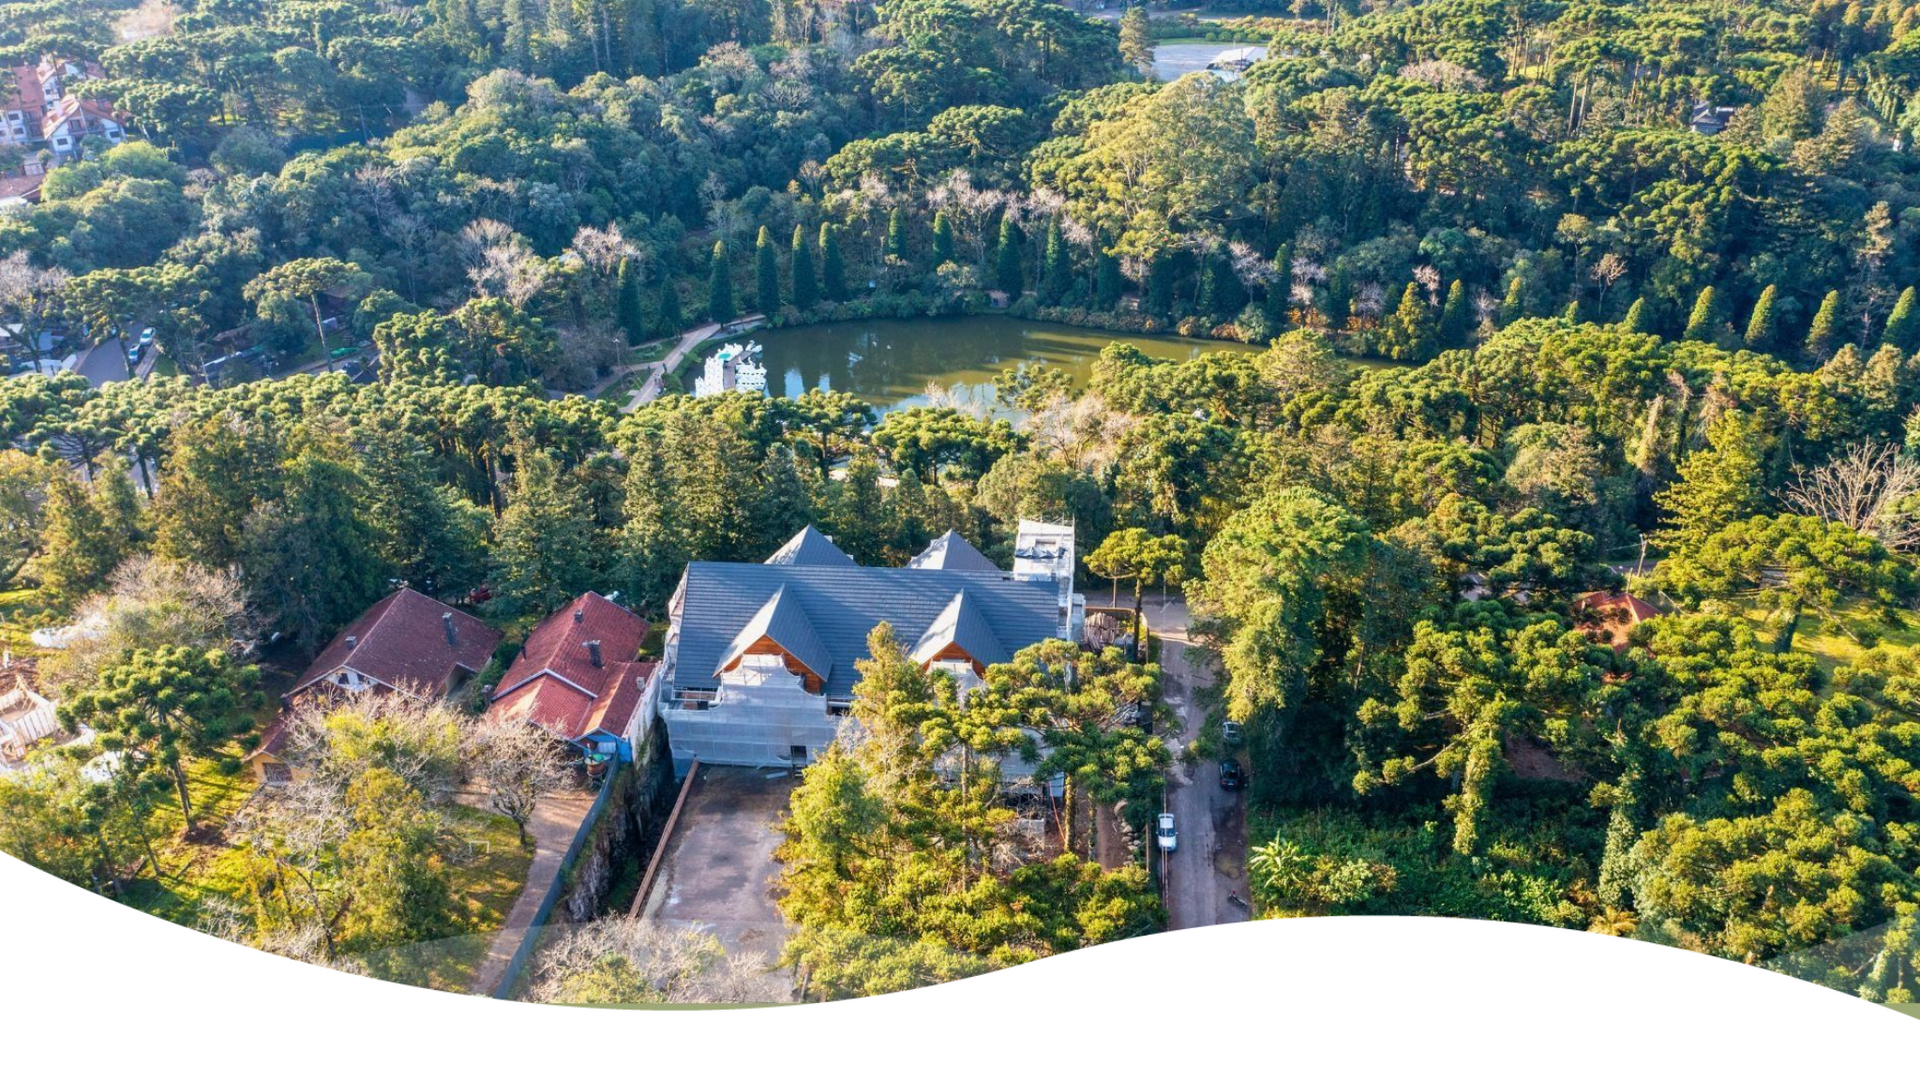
(407, 643)
(579, 677)
(1609, 617)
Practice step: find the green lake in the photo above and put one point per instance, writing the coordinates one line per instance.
(890, 362)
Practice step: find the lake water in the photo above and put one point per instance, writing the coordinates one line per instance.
(890, 362)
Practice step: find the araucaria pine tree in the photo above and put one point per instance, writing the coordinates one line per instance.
(1761, 325)
(766, 261)
(1703, 324)
(806, 287)
(1826, 323)
(1903, 326)
(833, 271)
(1007, 276)
(720, 307)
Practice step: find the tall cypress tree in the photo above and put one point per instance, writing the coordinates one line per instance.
(806, 287)
(668, 318)
(833, 272)
(627, 306)
(720, 305)
(766, 274)
(1410, 331)
(1221, 294)
(897, 234)
(1337, 304)
(1007, 275)
(1159, 298)
(1108, 283)
(1826, 324)
(1638, 320)
(1056, 274)
(1761, 324)
(1903, 326)
(1514, 306)
(1455, 322)
(1279, 295)
(942, 239)
(1704, 323)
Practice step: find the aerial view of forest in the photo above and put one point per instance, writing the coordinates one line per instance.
(1485, 433)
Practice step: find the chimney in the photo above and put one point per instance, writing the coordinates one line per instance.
(446, 621)
(593, 650)
(579, 615)
(352, 641)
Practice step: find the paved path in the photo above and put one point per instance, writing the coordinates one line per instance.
(1210, 862)
(555, 821)
(657, 370)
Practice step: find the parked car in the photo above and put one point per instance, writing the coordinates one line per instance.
(1164, 834)
(1233, 732)
(146, 337)
(1232, 775)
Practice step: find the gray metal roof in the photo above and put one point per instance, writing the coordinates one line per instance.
(950, 551)
(962, 624)
(784, 622)
(810, 547)
(842, 604)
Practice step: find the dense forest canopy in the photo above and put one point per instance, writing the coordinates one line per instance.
(1642, 276)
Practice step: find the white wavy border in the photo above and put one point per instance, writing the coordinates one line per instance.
(88, 987)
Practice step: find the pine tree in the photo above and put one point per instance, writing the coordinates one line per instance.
(720, 305)
(1456, 323)
(897, 234)
(1007, 276)
(1574, 314)
(1826, 322)
(1703, 324)
(1410, 330)
(628, 309)
(833, 272)
(1514, 307)
(1761, 324)
(766, 274)
(1221, 294)
(1903, 326)
(544, 548)
(1275, 304)
(1337, 304)
(785, 504)
(1718, 485)
(516, 48)
(1638, 320)
(1108, 283)
(1136, 37)
(806, 287)
(81, 543)
(1056, 273)
(668, 318)
(1159, 298)
(942, 239)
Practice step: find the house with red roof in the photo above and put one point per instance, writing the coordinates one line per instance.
(407, 643)
(578, 677)
(76, 118)
(1609, 617)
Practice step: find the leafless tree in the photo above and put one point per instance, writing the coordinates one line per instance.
(519, 763)
(1429, 279)
(631, 960)
(417, 738)
(297, 831)
(1871, 489)
(149, 602)
(29, 295)
(1610, 269)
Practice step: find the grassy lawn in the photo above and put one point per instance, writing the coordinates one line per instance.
(191, 872)
(20, 612)
(1831, 642)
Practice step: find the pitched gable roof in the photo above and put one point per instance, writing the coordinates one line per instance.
(784, 622)
(810, 547)
(951, 551)
(558, 646)
(554, 681)
(401, 642)
(961, 624)
(841, 605)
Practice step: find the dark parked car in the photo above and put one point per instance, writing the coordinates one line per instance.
(1232, 775)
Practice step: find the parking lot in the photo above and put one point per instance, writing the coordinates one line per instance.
(716, 872)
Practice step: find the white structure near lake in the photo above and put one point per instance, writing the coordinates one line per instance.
(733, 366)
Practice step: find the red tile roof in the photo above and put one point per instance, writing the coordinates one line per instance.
(25, 95)
(402, 642)
(554, 682)
(21, 187)
(1613, 614)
